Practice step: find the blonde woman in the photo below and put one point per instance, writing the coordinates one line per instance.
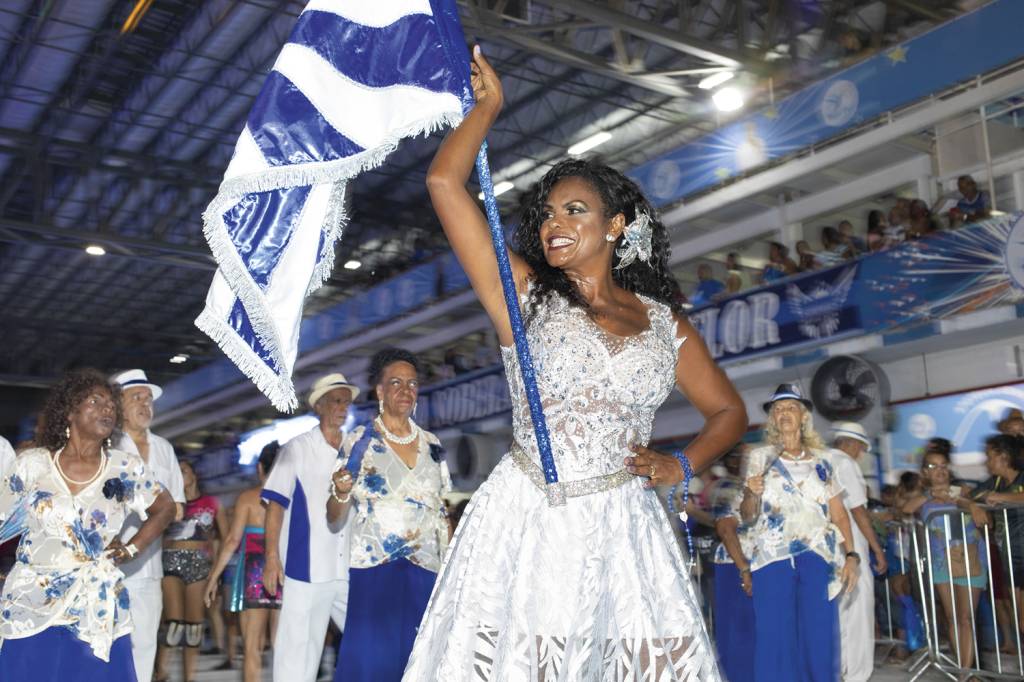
(802, 554)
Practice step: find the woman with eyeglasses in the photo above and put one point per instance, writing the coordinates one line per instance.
(391, 476)
(958, 566)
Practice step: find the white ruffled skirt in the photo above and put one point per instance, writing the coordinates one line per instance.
(594, 590)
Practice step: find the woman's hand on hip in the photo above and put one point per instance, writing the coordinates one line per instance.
(658, 468)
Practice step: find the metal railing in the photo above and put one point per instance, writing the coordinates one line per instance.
(925, 550)
(935, 540)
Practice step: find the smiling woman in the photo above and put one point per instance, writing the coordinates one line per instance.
(575, 591)
(64, 606)
(392, 475)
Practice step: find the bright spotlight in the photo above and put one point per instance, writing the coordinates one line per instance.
(728, 99)
(586, 145)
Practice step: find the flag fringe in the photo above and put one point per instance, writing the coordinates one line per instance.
(279, 389)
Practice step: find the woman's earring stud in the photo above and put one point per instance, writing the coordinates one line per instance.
(609, 237)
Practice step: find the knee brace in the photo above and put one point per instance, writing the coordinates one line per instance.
(193, 634)
(172, 632)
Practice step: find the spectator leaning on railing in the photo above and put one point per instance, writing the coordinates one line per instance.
(956, 550)
(974, 204)
(1005, 486)
(779, 263)
(707, 286)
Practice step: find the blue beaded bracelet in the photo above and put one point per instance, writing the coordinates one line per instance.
(684, 461)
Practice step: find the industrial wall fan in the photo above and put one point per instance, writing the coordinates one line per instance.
(850, 388)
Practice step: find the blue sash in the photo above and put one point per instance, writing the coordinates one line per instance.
(355, 459)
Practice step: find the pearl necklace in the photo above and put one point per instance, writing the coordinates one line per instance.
(398, 440)
(60, 470)
(796, 458)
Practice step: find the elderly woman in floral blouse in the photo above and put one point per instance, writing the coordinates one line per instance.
(391, 475)
(64, 605)
(801, 549)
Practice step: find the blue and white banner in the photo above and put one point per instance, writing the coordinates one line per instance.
(973, 268)
(957, 51)
(353, 80)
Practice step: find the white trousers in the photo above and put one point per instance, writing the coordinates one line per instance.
(306, 609)
(146, 604)
(857, 620)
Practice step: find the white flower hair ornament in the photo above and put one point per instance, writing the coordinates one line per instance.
(637, 238)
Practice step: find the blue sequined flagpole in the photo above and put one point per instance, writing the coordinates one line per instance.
(555, 493)
(446, 13)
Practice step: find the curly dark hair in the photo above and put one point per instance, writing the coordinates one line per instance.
(619, 195)
(65, 397)
(387, 356)
(1011, 446)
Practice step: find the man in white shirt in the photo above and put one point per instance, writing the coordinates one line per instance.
(857, 609)
(314, 570)
(144, 572)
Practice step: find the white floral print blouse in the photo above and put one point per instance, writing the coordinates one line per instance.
(61, 576)
(794, 515)
(398, 512)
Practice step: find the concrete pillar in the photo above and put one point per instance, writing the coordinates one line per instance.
(926, 189)
(1018, 190)
(789, 234)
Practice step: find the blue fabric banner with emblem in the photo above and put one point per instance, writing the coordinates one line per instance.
(954, 52)
(947, 274)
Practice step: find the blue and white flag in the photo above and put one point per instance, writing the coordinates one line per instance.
(354, 79)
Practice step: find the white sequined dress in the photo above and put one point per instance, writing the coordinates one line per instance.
(592, 590)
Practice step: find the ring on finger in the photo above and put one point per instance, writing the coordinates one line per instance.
(653, 471)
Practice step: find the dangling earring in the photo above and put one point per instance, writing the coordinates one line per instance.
(380, 405)
(609, 237)
(67, 433)
(414, 406)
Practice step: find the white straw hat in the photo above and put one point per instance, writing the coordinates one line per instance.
(851, 430)
(136, 377)
(329, 383)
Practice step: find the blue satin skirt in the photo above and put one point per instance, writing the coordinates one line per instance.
(385, 606)
(56, 655)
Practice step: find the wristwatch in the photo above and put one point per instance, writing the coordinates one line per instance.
(853, 555)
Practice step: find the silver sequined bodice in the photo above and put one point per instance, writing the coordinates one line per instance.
(599, 391)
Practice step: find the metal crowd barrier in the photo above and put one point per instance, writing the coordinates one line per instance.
(952, 525)
(916, 561)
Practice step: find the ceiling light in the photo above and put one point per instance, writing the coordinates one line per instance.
(499, 189)
(179, 359)
(728, 99)
(715, 79)
(95, 250)
(589, 143)
(352, 265)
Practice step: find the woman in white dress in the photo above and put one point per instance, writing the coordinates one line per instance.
(597, 588)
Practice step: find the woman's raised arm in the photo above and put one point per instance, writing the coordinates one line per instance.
(464, 223)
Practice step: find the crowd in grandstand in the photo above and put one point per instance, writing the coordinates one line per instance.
(907, 219)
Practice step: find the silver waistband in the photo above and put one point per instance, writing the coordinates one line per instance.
(584, 486)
